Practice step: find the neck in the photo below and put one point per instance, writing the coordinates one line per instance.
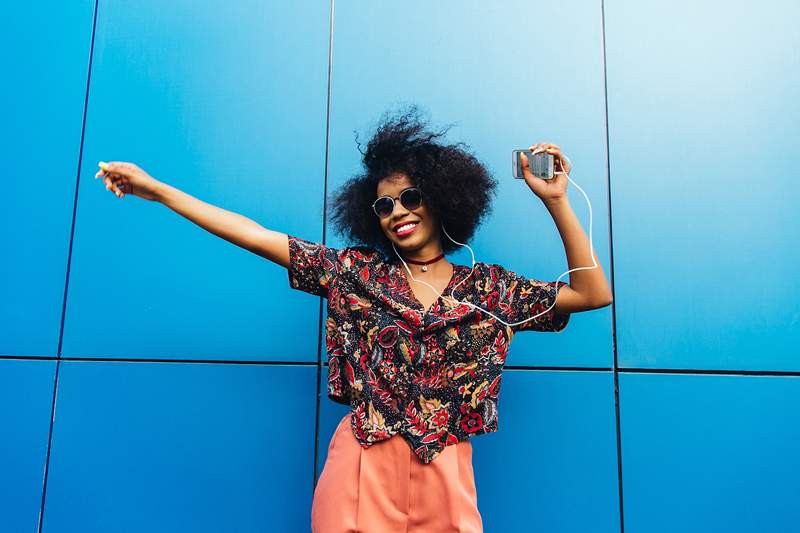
(424, 254)
(441, 265)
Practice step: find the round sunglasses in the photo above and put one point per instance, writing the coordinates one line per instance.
(410, 198)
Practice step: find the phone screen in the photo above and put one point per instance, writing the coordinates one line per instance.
(542, 165)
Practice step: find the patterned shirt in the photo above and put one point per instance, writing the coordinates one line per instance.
(431, 376)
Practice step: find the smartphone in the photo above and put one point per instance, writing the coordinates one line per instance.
(542, 164)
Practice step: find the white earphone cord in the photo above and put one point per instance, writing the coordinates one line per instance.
(591, 252)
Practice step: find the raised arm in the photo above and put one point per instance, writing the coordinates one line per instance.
(127, 178)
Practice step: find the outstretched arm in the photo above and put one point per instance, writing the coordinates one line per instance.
(232, 227)
(123, 178)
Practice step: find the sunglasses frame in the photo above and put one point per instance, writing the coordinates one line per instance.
(400, 197)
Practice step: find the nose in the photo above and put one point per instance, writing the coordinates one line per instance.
(398, 211)
(399, 205)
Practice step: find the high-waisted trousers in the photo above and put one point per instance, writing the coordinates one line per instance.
(386, 488)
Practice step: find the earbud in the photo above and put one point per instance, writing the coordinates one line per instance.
(591, 252)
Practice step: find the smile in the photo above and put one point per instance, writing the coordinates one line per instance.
(406, 229)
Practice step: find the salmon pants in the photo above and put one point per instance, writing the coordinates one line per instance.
(386, 488)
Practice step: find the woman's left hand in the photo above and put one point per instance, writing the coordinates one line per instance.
(547, 190)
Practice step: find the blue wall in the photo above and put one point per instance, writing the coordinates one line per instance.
(154, 377)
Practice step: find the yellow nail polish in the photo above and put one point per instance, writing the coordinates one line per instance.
(103, 165)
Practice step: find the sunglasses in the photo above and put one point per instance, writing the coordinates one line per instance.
(411, 199)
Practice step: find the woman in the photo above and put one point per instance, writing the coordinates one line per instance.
(416, 345)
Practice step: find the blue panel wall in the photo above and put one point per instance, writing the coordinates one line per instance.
(161, 447)
(227, 103)
(710, 453)
(552, 464)
(26, 405)
(154, 377)
(704, 123)
(44, 69)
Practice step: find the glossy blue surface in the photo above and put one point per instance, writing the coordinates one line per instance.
(552, 464)
(229, 106)
(710, 453)
(26, 404)
(162, 447)
(704, 123)
(681, 121)
(44, 69)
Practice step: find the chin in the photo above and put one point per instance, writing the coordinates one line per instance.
(401, 245)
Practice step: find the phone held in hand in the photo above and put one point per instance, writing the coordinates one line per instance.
(542, 164)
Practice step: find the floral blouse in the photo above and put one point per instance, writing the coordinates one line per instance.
(431, 376)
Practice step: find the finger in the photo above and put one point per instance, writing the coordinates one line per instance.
(558, 155)
(106, 169)
(115, 167)
(564, 162)
(115, 187)
(110, 185)
(565, 167)
(526, 168)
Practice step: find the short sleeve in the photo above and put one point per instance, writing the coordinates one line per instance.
(522, 298)
(312, 265)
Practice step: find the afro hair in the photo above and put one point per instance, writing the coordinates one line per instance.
(455, 185)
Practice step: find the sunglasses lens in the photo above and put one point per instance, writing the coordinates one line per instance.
(384, 207)
(411, 198)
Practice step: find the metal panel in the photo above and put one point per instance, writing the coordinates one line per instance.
(181, 447)
(45, 67)
(704, 125)
(710, 453)
(228, 104)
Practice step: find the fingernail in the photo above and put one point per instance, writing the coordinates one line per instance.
(103, 165)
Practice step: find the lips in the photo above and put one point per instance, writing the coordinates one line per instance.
(394, 228)
(405, 229)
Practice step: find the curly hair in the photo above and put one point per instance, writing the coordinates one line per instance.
(456, 187)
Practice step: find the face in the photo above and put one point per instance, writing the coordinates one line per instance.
(424, 236)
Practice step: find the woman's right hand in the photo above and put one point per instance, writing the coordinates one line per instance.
(123, 178)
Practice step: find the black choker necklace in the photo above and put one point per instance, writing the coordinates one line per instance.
(425, 263)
